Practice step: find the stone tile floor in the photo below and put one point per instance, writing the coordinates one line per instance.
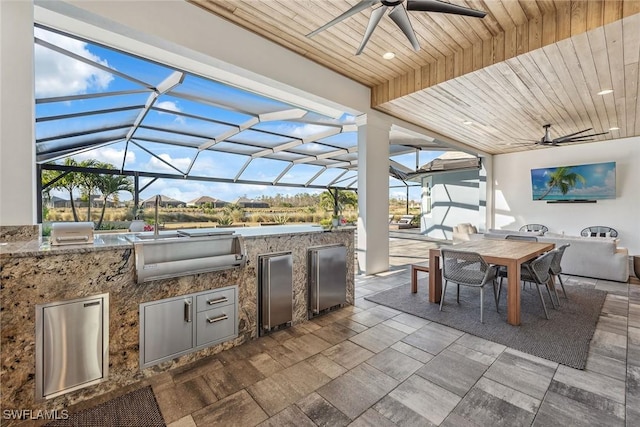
(369, 365)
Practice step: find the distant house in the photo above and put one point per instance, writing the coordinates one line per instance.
(58, 202)
(216, 203)
(98, 201)
(243, 202)
(165, 201)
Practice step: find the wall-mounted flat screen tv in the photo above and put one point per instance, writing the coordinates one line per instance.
(575, 183)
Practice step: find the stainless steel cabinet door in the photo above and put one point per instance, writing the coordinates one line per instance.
(327, 277)
(276, 286)
(73, 345)
(168, 328)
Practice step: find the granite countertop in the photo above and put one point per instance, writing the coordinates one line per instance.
(42, 246)
(109, 241)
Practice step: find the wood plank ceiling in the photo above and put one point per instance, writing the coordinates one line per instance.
(525, 64)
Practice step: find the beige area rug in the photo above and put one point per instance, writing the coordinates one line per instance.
(563, 339)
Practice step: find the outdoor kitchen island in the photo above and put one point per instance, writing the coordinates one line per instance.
(35, 273)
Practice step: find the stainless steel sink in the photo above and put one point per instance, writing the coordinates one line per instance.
(176, 254)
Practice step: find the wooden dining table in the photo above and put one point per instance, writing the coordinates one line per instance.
(509, 253)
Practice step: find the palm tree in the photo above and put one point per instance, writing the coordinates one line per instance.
(345, 198)
(110, 185)
(563, 179)
(69, 182)
(88, 181)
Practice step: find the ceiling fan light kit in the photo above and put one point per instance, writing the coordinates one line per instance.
(398, 14)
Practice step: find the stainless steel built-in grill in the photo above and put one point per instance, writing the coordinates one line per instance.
(275, 274)
(327, 277)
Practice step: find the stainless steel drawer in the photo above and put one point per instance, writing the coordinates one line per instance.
(216, 299)
(216, 324)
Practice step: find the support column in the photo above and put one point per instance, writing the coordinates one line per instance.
(373, 193)
(486, 211)
(17, 147)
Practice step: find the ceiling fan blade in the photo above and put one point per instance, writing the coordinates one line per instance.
(399, 15)
(571, 138)
(375, 17)
(443, 7)
(576, 140)
(364, 4)
(573, 134)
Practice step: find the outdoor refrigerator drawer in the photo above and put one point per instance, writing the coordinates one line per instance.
(217, 324)
(216, 299)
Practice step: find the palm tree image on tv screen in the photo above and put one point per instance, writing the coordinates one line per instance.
(574, 183)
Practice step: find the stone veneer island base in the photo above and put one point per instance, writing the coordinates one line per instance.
(36, 273)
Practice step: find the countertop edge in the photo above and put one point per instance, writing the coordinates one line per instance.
(105, 242)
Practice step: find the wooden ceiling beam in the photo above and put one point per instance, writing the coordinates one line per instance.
(569, 19)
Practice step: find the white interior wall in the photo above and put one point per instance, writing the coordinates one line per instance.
(17, 151)
(514, 207)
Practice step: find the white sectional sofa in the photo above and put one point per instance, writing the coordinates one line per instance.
(598, 257)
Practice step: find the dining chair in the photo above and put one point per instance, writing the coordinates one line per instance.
(599, 231)
(502, 271)
(538, 273)
(556, 268)
(468, 269)
(534, 228)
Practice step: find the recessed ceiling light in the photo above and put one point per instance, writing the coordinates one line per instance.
(389, 55)
(605, 92)
(467, 122)
(614, 128)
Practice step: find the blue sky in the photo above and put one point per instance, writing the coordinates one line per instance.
(59, 75)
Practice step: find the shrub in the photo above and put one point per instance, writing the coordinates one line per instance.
(225, 220)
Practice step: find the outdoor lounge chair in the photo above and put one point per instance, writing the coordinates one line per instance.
(403, 222)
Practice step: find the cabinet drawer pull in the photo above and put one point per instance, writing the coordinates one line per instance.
(187, 311)
(217, 319)
(217, 301)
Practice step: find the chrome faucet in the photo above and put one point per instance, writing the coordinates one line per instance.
(156, 227)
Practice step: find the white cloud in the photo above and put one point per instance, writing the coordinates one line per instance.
(171, 106)
(308, 130)
(168, 105)
(610, 179)
(58, 75)
(155, 165)
(185, 190)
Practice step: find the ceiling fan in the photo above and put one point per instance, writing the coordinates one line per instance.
(399, 15)
(572, 137)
